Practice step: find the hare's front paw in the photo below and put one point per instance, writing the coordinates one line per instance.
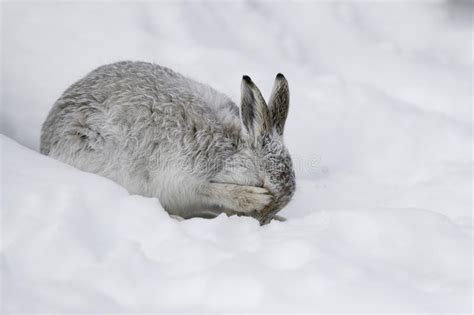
(241, 198)
(250, 198)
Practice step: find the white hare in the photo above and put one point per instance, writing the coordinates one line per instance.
(162, 135)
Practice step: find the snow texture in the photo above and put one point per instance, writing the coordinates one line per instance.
(380, 129)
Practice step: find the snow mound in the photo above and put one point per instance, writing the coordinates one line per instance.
(77, 242)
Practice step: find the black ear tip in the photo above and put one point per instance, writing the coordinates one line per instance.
(280, 76)
(246, 78)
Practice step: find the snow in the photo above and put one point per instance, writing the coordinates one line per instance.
(380, 129)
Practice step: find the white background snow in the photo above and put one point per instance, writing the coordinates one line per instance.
(380, 129)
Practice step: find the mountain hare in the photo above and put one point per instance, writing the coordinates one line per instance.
(162, 135)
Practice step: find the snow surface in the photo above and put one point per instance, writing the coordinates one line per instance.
(380, 129)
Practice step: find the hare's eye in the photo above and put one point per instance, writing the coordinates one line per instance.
(260, 182)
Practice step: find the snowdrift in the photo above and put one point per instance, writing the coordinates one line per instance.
(77, 242)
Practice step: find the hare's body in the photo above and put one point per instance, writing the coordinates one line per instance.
(158, 134)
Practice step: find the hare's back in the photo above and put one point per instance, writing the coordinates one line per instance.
(128, 79)
(132, 98)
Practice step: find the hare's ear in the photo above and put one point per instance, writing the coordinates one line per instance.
(254, 111)
(279, 103)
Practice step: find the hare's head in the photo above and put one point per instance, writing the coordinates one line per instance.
(263, 128)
